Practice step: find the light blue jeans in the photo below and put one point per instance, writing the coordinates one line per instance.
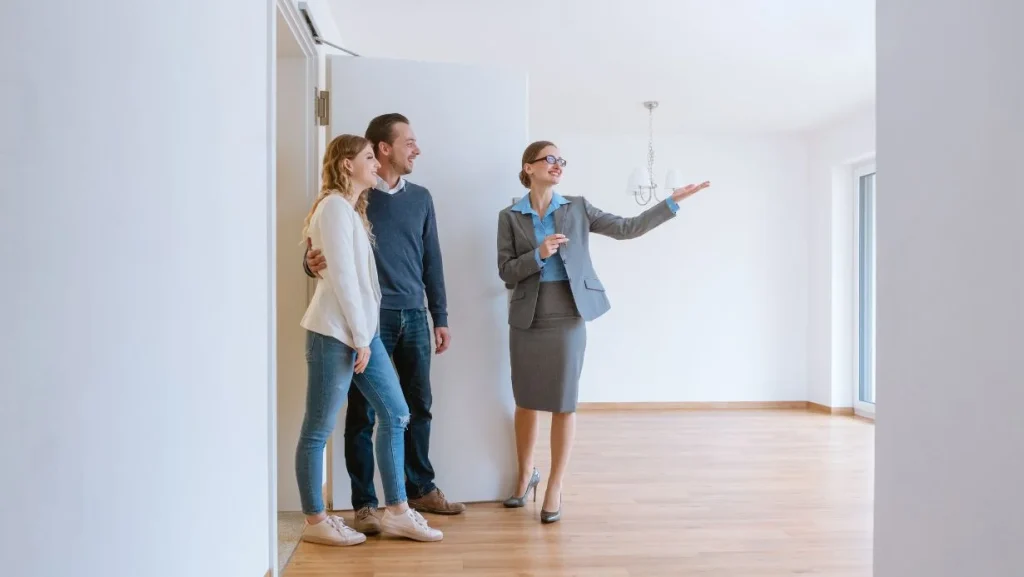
(330, 363)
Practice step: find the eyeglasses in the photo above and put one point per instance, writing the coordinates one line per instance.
(550, 160)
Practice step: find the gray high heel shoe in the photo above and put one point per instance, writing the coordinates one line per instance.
(552, 516)
(513, 502)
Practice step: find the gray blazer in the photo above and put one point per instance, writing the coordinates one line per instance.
(518, 267)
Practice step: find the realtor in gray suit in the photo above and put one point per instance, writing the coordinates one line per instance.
(546, 261)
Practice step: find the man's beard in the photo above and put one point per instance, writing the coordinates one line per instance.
(401, 169)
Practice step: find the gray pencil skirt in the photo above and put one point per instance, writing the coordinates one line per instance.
(547, 358)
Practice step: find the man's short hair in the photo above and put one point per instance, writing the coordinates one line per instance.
(382, 129)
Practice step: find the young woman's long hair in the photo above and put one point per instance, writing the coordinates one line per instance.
(337, 180)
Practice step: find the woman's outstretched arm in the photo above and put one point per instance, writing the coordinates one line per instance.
(624, 228)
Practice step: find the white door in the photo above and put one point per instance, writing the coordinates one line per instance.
(471, 124)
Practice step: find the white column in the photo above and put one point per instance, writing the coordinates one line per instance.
(950, 287)
(135, 293)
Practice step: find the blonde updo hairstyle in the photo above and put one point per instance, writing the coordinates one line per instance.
(529, 155)
(338, 180)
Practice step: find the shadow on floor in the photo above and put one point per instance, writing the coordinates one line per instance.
(289, 528)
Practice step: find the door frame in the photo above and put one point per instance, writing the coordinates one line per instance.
(865, 168)
(297, 27)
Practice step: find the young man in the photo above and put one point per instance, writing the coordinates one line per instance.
(408, 257)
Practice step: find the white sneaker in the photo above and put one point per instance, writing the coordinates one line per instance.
(332, 531)
(410, 525)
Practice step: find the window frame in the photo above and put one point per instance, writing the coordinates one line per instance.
(861, 407)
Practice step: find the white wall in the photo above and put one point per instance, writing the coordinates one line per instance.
(134, 312)
(950, 290)
(833, 151)
(712, 305)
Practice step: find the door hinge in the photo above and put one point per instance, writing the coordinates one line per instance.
(323, 107)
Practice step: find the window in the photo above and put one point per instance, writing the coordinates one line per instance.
(864, 359)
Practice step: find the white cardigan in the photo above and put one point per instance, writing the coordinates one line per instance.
(346, 304)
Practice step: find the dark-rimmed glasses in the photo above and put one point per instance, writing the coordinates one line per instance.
(550, 159)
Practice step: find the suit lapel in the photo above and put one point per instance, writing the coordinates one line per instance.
(526, 226)
(526, 223)
(560, 215)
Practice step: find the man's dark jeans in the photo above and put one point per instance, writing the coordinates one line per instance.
(407, 338)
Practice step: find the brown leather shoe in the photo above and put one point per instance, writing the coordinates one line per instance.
(367, 521)
(436, 503)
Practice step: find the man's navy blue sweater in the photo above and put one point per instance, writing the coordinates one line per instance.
(408, 252)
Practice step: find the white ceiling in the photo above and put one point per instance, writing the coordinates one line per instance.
(718, 65)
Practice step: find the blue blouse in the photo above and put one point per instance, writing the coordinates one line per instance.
(552, 269)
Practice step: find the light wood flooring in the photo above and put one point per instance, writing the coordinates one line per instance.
(662, 493)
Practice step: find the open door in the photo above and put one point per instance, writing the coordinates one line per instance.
(472, 127)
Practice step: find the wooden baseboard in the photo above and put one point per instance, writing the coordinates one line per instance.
(697, 406)
(721, 406)
(816, 408)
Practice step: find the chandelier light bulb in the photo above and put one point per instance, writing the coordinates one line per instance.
(641, 184)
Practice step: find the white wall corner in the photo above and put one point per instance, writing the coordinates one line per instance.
(834, 150)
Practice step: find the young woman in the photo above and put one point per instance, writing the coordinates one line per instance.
(544, 255)
(343, 346)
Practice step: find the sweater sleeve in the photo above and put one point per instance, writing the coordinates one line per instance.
(337, 229)
(433, 270)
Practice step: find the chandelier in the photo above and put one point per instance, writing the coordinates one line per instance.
(645, 193)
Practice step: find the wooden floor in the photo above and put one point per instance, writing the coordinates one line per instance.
(703, 493)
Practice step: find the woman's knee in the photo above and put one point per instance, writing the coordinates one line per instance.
(312, 441)
(395, 418)
(316, 428)
(384, 393)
